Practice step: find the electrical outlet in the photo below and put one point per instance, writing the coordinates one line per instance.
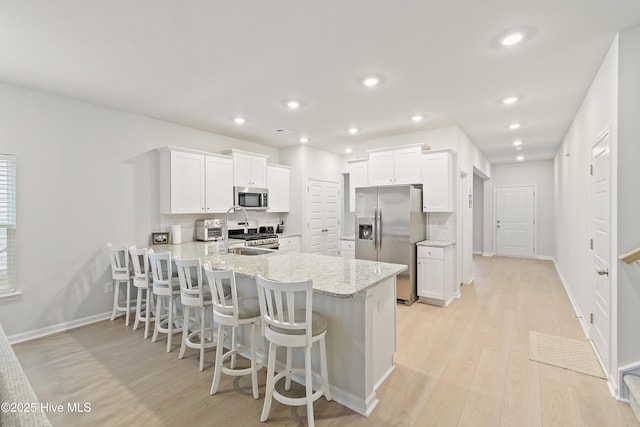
(108, 287)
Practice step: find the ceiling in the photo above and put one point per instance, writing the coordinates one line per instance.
(202, 62)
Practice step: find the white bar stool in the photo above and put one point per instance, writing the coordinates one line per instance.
(121, 275)
(231, 314)
(292, 324)
(194, 295)
(144, 299)
(166, 288)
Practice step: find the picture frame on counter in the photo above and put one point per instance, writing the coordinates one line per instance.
(160, 238)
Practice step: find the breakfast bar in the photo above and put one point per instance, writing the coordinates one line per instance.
(357, 297)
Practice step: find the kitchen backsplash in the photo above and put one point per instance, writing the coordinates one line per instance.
(441, 226)
(187, 222)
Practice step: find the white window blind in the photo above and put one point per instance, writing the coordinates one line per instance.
(7, 223)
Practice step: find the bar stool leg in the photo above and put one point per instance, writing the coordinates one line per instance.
(127, 308)
(218, 368)
(170, 324)
(324, 372)
(254, 368)
(271, 367)
(287, 382)
(308, 379)
(185, 332)
(158, 317)
(116, 297)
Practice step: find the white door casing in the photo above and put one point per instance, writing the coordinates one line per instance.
(515, 221)
(600, 322)
(322, 217)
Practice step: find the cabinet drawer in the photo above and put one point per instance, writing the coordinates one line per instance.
(347, 245)
(430, 252)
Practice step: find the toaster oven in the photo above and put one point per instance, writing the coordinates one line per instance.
(209, 229)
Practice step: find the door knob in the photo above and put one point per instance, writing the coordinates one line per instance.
(602, 272)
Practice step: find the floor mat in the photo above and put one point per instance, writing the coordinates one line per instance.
(564, 353)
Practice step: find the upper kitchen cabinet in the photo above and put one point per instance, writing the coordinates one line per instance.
(194, 182)
(437, 181)
(395, 167)
(358, 177)
(279, 185)
(249, 169)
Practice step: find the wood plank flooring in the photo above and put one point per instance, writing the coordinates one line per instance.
(464, 365)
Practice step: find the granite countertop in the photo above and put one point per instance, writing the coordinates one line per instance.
(284, 235)
(335, 276)
(351, 237)
(435, 243)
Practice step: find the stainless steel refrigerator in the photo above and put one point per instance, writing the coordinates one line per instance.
(389, 223)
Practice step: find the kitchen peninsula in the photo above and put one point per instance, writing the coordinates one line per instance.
(357, 297)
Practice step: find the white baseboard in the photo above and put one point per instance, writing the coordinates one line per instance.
(469, 280)
(476, 252)
(546, 258)
(60, 327)
(488, 254)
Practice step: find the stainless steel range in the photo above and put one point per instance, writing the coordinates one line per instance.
(262, 238)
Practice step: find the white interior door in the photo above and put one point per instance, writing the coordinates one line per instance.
(600, 318)
(322, 217)
(515, 221)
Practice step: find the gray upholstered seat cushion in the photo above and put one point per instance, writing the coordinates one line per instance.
(248, 307)
(318, 324)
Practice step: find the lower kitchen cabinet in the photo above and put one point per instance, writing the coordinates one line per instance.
(289, 244)
(435, 274)
(348, 249)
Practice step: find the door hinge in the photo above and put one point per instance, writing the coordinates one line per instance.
(591, 318)
(591, 169)
(590, 243)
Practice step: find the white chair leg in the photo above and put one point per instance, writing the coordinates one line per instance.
(136, 322)
(217, 370)
(149, 310)
(170, 324)
(158, 317)
(254, 368)
(323, 369)
(202, 337)
(128, 304)
(185, 332)
(233, 348)
(287, 382)
(308, 380)
(268, 396)
(116, 293)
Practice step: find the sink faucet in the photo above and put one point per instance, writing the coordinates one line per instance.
(226, 226)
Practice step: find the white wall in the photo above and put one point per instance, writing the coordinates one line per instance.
(628, 197)
(540, 174)
(86, 175)
(307, 162)
(572, 189)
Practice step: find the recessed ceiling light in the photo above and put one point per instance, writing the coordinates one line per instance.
(239, 120)
(517, 142)
(347, 150)
(303, 139)
(518, 148)
(371, 81)
(514, 126)
(520, 158)
(510, 100)
(353, 130)
(293, 104)
(417, 118)
(512, 39)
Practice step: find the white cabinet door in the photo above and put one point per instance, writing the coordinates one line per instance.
(431, 278)
(289, 244)
(187, 183)
(395, 167)
(347, 249)
(437, 182)
(321, 235)
(406, 165)
(249, 170)
(358, 177)
(381, 168)
(279, 185)
(219, 184)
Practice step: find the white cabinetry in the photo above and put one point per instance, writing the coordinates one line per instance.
(249, 169)
(194, 182)
(289, 244)
(358, 177)
(435, 274)
(437, 181)
(279, 185)
(395, 167)
(348, 249)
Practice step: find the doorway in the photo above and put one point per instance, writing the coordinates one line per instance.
(515, 221)
(321, 233)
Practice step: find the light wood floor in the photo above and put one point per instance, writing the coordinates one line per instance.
(464, 365)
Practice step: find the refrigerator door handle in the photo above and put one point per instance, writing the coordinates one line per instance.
(379, 229)
(375, 229)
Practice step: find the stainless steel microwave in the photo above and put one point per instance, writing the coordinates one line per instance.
(251, 198)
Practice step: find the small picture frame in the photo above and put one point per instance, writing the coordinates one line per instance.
(160, 238)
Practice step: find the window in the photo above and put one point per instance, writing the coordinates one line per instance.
(7, 224)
